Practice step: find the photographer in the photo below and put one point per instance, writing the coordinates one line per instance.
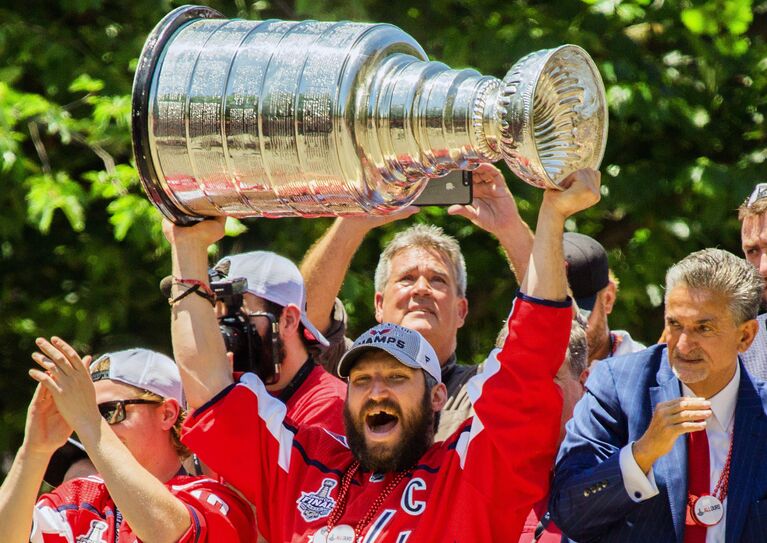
(389, 480)
(262, 319)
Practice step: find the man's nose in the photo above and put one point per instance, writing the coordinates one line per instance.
(378, 389)
(763, 264)
(422, 286)
(686, 343)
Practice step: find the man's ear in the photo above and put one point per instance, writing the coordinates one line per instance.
(378, 301)
(748, 332)
(463, 310)
(290, 319)
(609, 295)
(169, 410)
(438, 397)
(584, 376)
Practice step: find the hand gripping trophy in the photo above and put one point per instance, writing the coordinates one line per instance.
(277, 118)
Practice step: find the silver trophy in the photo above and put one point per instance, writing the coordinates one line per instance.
(277, 118)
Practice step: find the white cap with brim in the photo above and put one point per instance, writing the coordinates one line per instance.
(143, 369)
(274, 278)
(404, 344)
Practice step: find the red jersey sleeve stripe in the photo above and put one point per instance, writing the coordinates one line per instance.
(272, 412)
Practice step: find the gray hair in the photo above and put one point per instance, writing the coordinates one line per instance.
(577, 356)
(723, 273)
(423, 236)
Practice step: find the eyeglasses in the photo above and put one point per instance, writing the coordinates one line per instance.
(759, 193)
(114, 411)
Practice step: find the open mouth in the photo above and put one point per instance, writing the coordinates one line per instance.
(381, 422)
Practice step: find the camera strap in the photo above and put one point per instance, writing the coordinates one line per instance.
(298, 379)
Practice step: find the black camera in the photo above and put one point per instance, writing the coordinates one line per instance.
(252, 352)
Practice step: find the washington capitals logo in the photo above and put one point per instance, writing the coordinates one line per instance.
(380, 332)
(314, 505)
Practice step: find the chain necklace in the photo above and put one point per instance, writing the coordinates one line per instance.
(343, 496)
(724, 479)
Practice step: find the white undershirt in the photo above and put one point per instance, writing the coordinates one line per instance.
(641, 487)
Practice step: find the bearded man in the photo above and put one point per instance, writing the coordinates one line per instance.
(389, 482)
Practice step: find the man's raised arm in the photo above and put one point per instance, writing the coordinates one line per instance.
(546, 276)
(325, 264)
(197, 343)
(510, 448)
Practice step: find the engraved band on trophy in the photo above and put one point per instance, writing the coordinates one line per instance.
(277, 118)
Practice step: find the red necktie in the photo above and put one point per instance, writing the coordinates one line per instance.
(698, 482)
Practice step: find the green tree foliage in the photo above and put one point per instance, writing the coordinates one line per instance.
(81, 248)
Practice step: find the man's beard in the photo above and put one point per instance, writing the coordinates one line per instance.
(417, 437)
(265, 365)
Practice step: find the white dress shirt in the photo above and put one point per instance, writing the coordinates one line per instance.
(641, 487)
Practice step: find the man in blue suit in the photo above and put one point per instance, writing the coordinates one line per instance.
(670, 444)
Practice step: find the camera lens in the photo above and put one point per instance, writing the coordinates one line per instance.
(236, 342)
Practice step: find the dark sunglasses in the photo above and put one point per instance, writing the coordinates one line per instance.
(114, 411)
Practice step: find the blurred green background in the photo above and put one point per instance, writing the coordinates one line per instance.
(81, 249)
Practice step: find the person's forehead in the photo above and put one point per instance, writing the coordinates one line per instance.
(754, 228)
(377, 360)
(421, 257)
(698, 305)
(253, 302)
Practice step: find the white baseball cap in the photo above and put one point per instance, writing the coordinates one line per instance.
(404, 344)
(141, 368)
(274, 278)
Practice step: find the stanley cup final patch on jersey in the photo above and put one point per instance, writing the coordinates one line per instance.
(318, 504)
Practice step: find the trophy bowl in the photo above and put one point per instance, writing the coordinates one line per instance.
(284, 118)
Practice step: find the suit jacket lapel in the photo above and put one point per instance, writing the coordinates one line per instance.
(671, 470)
(748, 454)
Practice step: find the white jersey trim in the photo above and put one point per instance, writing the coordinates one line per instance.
(46, 520)
(491, 366)
(272, 411)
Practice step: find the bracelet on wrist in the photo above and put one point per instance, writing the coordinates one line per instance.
(193, 286)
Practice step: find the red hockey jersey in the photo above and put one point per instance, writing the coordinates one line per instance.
(319, 399)
(81, 511)
(477, 486)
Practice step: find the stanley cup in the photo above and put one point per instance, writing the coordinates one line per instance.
(277, 118)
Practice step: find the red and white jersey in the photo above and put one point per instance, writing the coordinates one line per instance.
(82, 511)
(477, 486)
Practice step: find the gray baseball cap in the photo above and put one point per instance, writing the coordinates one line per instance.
(141, 368)
(274, 278)
(404, 344)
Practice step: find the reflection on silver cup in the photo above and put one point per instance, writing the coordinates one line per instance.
(277, 118)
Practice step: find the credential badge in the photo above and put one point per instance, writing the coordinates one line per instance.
(314, 505)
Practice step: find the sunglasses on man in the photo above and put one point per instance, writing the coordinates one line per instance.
(114, 411)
